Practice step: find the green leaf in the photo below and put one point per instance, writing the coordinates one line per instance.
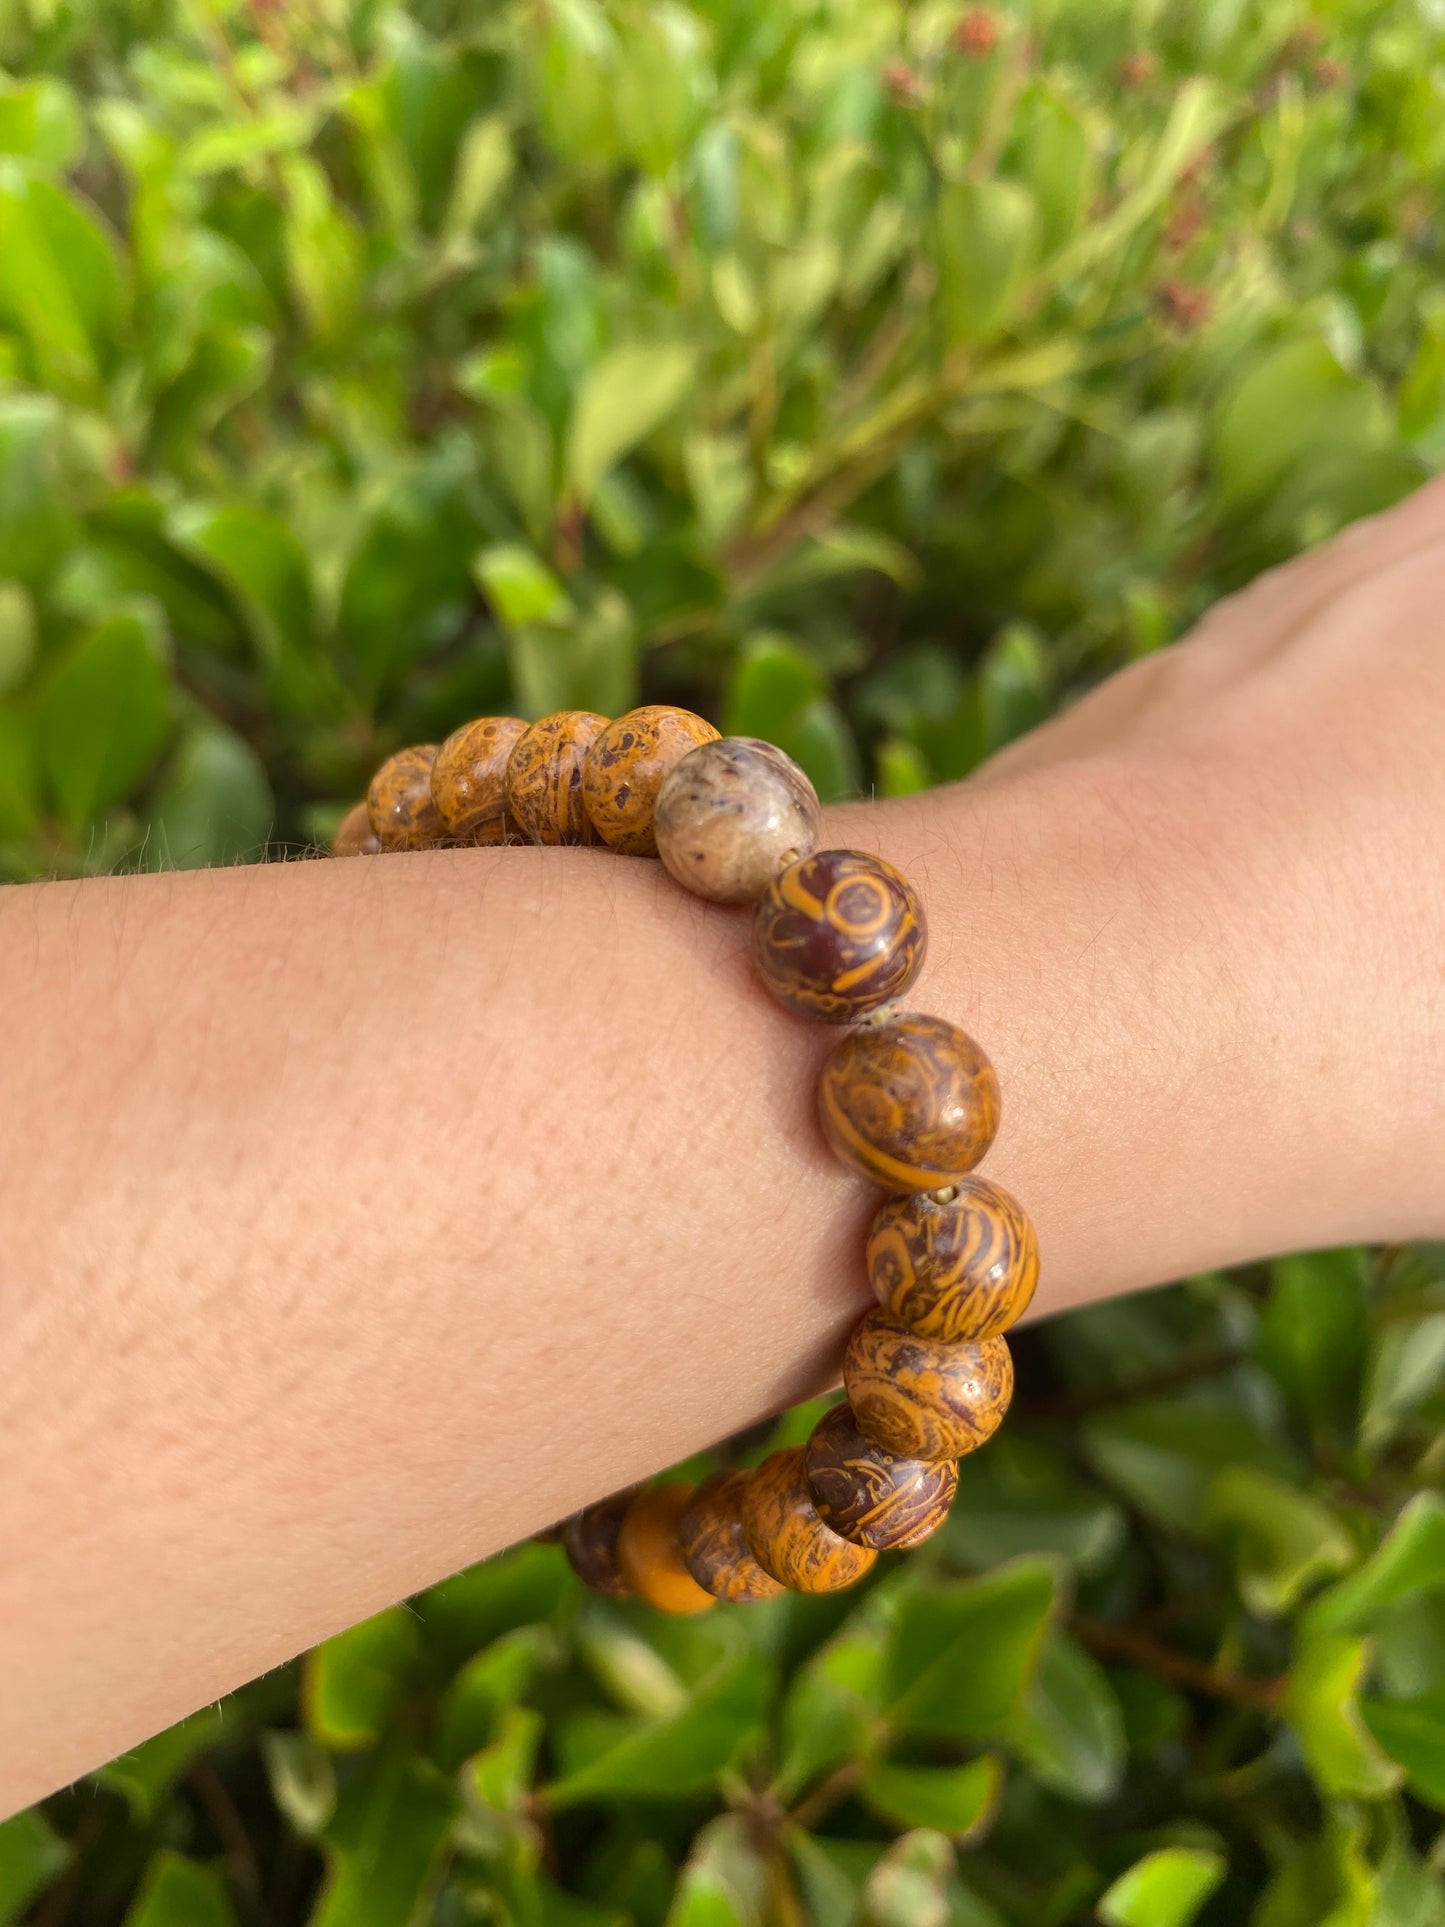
(484, 166)
(302, 1779)
(146, 1774)
(1412, 1732)
(987, 237)
(1410, 1560)
(1294, 401)
(1321, 1703)
(386, 1846)
(19, 635)
(623, 400)
(1406, 1367)
(499, 1776)
(911, 1885)
(962, 1656)
(1166, 1888)
(521, 589)
(32, 1856)
(19, 774)
(40, 121)
(1282, 1541)
(325, 252)
(724, 1883)
(833, 1707)
(1163, 1455)
(590, 665)
(36, 525)
(676, 1755)
(491, 1681)
(1069, 1731)
(59, 283)
(177, 1892)
(960, 1801)
(1312, 1334)
(214, 805)
(103, 715)
(258, 559)
(351, 1684)
(1059, 165)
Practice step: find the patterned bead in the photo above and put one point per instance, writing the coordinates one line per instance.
(964, 1269)
(648, 1554)
(729, 815)
(839, 934)
(354, 834)
(714, 1548)
(589, 1539)
(872, 1496)
(925, 1398)
(544, 777)
(789, 1541)
(625, 768)
(469, 779)
(399, 804)
(912, 1103)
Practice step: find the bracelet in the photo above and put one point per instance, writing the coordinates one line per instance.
(909, 1101)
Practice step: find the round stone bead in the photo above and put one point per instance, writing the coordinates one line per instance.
(354, 834)
(648, 1552)
(399, 804)
(589, 1538)
(789, 1541)
(964, 1269)
(544, 777)
(714, 1548)
(468, 783)
(839, 934)
(625, 768)
(731, 815)
(925, 1398)
(912, 1102)
(870, 1495)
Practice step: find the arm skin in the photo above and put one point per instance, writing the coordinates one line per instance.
(359, 1218)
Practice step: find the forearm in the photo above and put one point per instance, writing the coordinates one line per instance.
(360, 1218)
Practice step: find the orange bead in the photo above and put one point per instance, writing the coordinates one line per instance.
(925, 1398)
(648, 1553)
(354, 834)
(625, 768)
(399, 804)
(469, 780)
(715, 1548)
(544, 777)
(589, 1539)
(839, 934)
(912, 1103)
(789, 1540)
(964, 1267)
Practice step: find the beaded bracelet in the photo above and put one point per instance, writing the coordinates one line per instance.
(908, 1100)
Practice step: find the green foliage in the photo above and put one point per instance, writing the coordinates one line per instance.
(872, 377)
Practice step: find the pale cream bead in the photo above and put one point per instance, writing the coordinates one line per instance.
(731, 815)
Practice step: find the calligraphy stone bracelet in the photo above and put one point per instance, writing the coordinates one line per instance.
(908, 1100)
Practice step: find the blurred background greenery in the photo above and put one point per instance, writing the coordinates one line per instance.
(872, 377)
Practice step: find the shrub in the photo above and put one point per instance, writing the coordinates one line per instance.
(871, 377)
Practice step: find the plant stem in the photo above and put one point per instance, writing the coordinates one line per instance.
(1138, 1648)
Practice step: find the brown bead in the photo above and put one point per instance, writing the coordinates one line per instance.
(925, 1398)
(625, 768)
(912, 1103)
(731, 815)
(870, 1495)
(648, 1553)
(544, 777)
(789, 1541)
(589, 1539)
(714, 1547)
(354, 834)
(838, 934)
(468, 783)
(399, 804)
(962, 1269)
